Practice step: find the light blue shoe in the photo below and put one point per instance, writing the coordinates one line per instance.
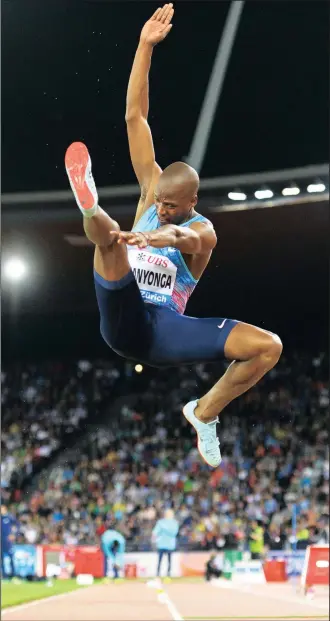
(208, 442)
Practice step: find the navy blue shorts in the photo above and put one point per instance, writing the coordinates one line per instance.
(152, 334)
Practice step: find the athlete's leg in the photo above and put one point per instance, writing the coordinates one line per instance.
(124, 319)
(110, 259)
(254, 352)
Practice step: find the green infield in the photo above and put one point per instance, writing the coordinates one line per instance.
(13, 594)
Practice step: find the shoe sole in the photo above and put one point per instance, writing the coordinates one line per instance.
(202, 456)
(77, 164)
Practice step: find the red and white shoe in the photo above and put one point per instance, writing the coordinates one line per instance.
(78, 166)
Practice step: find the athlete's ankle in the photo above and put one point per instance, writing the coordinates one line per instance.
(204, 416)
(90, 213)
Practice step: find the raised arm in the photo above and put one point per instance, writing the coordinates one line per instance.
(137, 104)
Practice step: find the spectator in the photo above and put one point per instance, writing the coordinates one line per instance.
(274, 538)
(303, 535)
(113, 545)
(165, 534)
(211, 569)
(8, 530)
(256, 540)
(41, 407)
(273, 440)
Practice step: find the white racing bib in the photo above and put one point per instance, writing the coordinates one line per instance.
(154, 273)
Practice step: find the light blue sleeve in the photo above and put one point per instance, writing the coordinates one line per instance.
(156, 529)
(175, 528)
(107, 549)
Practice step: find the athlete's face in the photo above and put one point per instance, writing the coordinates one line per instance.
(173, 203)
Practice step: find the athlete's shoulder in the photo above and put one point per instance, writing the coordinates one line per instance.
(205, 230)
(201, 223)
(200, 218)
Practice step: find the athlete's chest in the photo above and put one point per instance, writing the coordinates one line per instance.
(155, 271)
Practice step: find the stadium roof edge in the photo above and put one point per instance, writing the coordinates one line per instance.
(290, 174)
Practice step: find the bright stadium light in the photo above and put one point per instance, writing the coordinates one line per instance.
(15, 269)
(138, 368)
(265, 193)
(237, 196)
(316, 187)
(292, 190)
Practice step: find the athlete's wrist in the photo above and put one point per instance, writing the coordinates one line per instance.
(147, 237)
(145, 46)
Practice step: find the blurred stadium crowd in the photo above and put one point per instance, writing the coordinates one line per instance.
(127, 471)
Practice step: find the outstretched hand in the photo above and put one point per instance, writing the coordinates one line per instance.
(158, 26)
(141, 240)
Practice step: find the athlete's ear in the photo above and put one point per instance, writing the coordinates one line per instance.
(194, 201)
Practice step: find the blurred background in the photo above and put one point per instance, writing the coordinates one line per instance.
(88, 440)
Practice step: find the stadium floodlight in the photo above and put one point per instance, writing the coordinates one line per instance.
(316, 187)
(264, 193)
(138, 368)
(292, 190)
(237, 196)
(15, 269)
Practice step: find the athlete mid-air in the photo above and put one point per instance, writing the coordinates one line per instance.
(144, 278)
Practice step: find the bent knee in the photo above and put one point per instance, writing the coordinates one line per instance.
(246, 341)
(116, 226)
(273, 348)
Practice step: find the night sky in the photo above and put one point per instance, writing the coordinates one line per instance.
(65, 68)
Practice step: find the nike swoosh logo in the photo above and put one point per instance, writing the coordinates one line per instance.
(222, 324)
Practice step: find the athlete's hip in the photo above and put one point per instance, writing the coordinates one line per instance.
(154, 334)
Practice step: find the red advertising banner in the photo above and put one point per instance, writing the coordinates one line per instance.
(65, 561)
(89, 560)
